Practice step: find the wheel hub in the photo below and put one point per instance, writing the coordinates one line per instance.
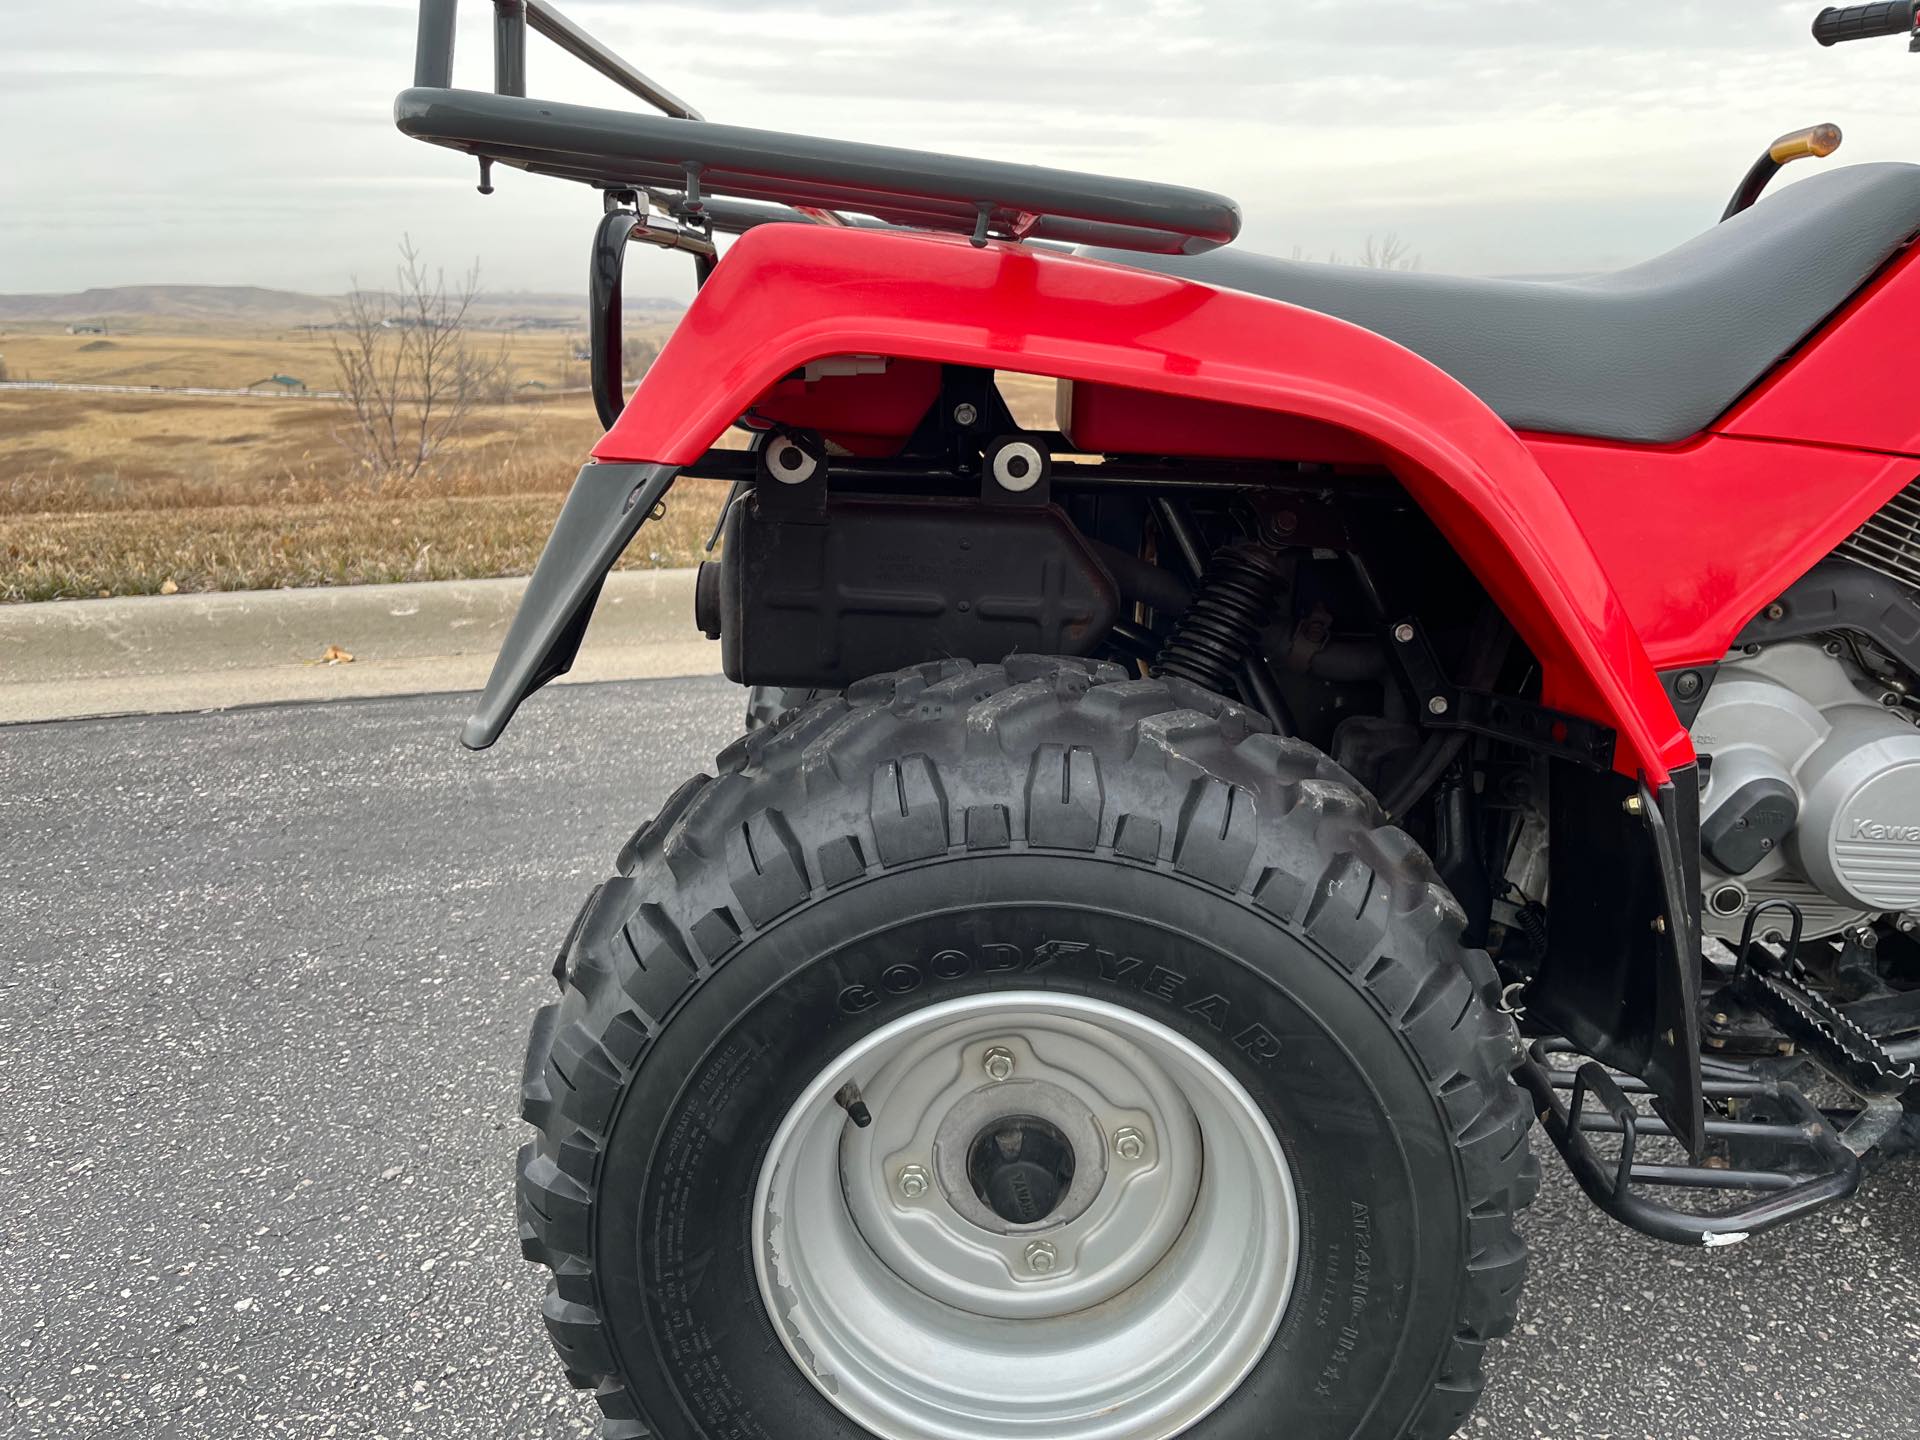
(947, 1271)
(1017, 1157)
(1021, 1168)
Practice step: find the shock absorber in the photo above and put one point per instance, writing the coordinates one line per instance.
(1220, 632)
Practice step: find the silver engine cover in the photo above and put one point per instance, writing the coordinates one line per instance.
(1797, 715)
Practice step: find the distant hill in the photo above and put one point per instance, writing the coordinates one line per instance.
(207, 303)
(214, 307)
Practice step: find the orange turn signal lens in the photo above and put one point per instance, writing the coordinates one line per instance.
(1818, 141)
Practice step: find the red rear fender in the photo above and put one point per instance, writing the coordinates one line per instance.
(790, 294)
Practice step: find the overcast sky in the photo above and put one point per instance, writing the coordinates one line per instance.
(233, 141)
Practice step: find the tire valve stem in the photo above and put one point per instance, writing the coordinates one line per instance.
(847, 1097)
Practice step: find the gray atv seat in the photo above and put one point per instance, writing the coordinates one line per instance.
(1651, 353)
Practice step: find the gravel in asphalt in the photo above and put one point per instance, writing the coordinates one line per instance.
(264, 981)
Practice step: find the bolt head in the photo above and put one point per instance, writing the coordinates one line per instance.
(1687, 684)
(1634, 805)
(965, 414)
(1041, 1258)
(998, 1063)
(1438, 705)
(1908, 924)
(1403, 633)
(1129, 1143)
(913, 1182)
(1659, 924)
(1776, 612)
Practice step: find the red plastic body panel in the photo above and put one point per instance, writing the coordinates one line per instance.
(1146, 422)
(864, 414)
(1699, 538)
(1857, 381)
(788, 294)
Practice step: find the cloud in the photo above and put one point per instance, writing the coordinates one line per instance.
(221, 141)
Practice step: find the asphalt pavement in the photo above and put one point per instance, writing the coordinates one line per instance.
(264, 981)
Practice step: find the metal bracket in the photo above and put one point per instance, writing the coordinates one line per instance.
(1446, 706)
(1016, 469)
(790, 475)
(1687, 689)
(982, 219)
(618, 227)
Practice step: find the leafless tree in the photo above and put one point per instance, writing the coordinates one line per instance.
(636, 358)
(1390, 253)
(409, 368)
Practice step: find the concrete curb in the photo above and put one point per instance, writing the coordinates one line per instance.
(149, 654)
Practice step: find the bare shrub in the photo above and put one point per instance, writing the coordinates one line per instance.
(1388, 253)
(636, 358)
(409, 370)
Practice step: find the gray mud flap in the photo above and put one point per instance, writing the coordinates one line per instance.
(604, 511)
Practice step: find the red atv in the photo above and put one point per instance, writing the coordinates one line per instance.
(1386, 709)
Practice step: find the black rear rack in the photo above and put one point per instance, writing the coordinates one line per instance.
(677, 159)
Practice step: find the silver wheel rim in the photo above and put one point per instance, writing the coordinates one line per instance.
(1133, 1307)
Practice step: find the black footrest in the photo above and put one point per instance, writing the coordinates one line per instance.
(1803, 1163)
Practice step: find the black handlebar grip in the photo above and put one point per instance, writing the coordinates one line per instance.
(1863, 22)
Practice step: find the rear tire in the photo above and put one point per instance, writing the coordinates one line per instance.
(1039, 836)
(769, 704)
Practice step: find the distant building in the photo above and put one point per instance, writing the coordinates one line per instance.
(85, 329)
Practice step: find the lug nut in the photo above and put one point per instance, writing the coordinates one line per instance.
(913, 1182)
(1041, 1258)
(999, 1063)
(1128, 1143)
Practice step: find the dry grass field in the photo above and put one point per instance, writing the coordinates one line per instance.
(538, 359)
(133, 494)
(129, 494)
(66, 451)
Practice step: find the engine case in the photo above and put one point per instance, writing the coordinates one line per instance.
(1813, 795)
